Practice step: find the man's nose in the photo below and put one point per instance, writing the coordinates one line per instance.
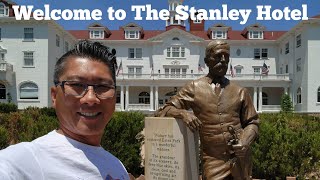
(90, 97)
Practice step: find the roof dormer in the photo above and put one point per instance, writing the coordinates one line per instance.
(97, 31)
(133, 31)
(255, 31)
(4, 10)
(218, 31)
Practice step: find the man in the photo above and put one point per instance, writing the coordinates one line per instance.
(84, 100)
(224, 115)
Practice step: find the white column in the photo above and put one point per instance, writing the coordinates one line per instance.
(151, 99)
(156, 101)
(127, 97)
(122, 98)
(260, 99)
(255, 98)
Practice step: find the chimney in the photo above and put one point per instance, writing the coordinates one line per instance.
(196, 25)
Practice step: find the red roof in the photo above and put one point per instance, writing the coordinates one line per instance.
(115, 34)
(317, 16)
(232, 35)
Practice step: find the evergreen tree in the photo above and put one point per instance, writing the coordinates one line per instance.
(286, 103)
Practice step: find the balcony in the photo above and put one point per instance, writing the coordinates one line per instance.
(6, 72)
(146, 108)
(273, 77)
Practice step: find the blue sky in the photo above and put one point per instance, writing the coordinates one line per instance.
(313, 8)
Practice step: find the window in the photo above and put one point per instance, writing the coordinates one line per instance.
(256, 70)
(260, 53)
(197, 21)
(144, 98)
(298, 41)
(298, 64)
(176, 52)
(299, 96)
(318, 94)
(134, 72)
(29, 91)
(175, 72)
(2, 56)
(66, 46)
(0, 34)
(281, 70)
(2, 91)
(135, 53)
(28, 34)
(57, 40)
(28, 59)
(4, 11)
(287, 68)
(287, 48)
(255, 35)
(96, 34)
(238, 71)
(219, 35)
(264, 98)
(132, 34)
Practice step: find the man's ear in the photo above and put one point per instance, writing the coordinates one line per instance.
(54, 91)
(206, 60)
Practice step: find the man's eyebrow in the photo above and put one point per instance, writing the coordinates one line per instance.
(79, 78)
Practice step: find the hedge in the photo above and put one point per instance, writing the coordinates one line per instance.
(288, 144)
(8, 107)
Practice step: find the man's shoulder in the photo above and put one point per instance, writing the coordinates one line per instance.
(20, 149)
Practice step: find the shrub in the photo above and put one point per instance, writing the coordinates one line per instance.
(286, 103)
(4, 137)
(8, 107)
(288, 145)
(120, 139)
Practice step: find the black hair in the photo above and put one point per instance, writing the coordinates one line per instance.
(94, 51)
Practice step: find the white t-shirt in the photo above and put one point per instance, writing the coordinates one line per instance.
(55, 156)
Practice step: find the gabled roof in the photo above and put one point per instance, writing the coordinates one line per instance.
(176, 31)
(202, 35)
(8, 2)
(132, 25)
(97, 25)
(255, 26)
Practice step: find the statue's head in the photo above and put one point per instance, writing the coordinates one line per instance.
(217, 57)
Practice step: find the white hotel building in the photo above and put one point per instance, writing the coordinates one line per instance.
(155, 64)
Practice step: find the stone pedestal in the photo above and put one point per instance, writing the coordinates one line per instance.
(171, 150)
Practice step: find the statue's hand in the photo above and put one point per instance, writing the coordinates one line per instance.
(191, 121)
(240, 149)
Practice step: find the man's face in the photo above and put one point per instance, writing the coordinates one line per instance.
(218, 61)
(87, 115)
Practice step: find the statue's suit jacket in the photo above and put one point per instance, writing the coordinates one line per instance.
(233, 106)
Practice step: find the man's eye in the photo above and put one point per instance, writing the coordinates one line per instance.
(76, 85)
(103, 87)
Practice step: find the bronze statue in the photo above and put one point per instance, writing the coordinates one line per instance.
(224, 115)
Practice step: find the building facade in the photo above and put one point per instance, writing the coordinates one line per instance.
(155, 64)
(28, 53)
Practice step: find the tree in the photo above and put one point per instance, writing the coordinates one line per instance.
(286, 103)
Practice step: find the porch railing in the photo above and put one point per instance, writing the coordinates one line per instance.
(194, 76)
(271, 108)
